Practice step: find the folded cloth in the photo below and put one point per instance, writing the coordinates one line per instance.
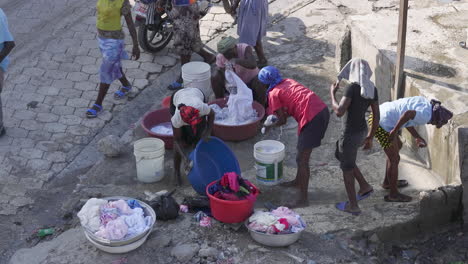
(90, 214)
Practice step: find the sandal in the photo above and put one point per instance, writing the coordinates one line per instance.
(400, 184)
(342, 207)
(363, 196)
(400, 199)
(119, 94)
(175, 86)
(93, 113)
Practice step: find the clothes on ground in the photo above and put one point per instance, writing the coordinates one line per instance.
(163, 129)
(314, 131)
(109, 13)
(113, 52)
(390, 112)
(114, 220)
(354, 120)
(358, 71)
(347, 147)
(186, 29)
(192, 97)
(5, 36)
(381, 135)
(296, 100)
(246, 75)
(252, 21)
(279, 221)
(232, 187)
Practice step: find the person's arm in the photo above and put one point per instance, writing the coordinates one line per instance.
(282, 117)
(234, 6)
(375, 125)
(207, 133)
(404, 118)
(178, 143)
(419, 140)
(133, 34)
(249, 62)
(341, 108)
(8, 46)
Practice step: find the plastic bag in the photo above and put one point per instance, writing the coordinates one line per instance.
(240, 103)
(166, 207)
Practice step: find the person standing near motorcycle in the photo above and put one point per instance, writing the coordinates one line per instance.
(112, 46)
(186, 25)
(251, 24)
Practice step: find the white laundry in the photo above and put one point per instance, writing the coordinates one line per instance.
(114, 230)
(223, 117)
(163, 129)
(137, 223)
(90, 214)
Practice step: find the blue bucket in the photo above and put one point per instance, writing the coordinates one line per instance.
(211, 160)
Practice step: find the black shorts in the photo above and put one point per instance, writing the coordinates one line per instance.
(313, 132)
(347, 147)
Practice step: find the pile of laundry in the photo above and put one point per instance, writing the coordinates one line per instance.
(282, 220)
(114, 220)
(164, 129)
(230, 117)
(233, 187)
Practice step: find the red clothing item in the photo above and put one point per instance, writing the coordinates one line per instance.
(296, 100)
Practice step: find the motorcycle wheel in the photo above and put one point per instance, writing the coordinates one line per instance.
(153, 39)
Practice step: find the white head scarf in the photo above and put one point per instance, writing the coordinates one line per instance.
(358, 71)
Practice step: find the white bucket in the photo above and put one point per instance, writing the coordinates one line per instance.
(197, 74)
(269, 155)
(149, 155)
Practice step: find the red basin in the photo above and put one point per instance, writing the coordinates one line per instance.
(154, 118)
(238, 133)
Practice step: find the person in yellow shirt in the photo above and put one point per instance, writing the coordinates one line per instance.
(112, 46)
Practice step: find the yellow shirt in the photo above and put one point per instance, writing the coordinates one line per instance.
(108, 14)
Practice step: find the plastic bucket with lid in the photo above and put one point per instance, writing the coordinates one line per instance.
(230, 211)
(197, 74)
(149, 155)
(269, 155)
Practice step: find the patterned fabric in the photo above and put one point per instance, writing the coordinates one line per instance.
(191, 116)
(113, 52)
(271, 76)
(186, 29)
(381, 135)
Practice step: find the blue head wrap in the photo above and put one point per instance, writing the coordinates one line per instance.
(271, 76)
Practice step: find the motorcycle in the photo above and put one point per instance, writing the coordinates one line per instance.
(155, 25)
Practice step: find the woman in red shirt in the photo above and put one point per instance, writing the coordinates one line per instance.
(286, 97)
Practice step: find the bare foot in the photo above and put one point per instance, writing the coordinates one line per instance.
(365, 190)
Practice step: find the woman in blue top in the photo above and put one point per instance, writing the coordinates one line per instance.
(407, 113)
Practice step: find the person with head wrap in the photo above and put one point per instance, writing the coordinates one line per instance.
(405, 113)
(287, 97)
(358, 96)
(192, 120)
(240, 58)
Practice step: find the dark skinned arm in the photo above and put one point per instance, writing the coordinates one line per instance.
(207, 133)
(249, 62)
(282, 117)
(339, 109)
(8, 46)
(375, 125)
(419, 140)
(133, 34)
(234, 6)
(178, 143)
(404, 118)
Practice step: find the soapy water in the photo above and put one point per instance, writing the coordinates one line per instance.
(222, 117)
(163, 129)
(268, 149)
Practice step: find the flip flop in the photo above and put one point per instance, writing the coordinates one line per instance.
(400, 184)
(342, 207)
(364, 195)
(175, 86)
(398, 200)
(92, 113)
(119, 94)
